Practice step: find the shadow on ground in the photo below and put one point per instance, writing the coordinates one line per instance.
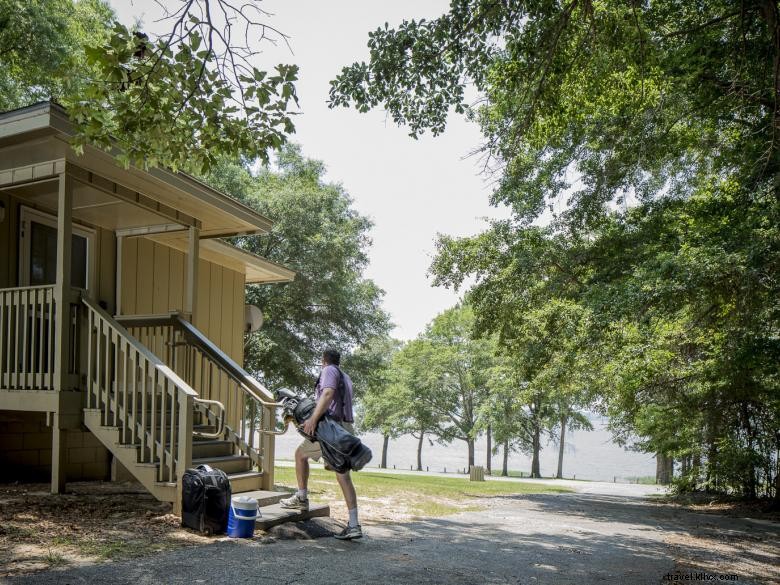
(560, 539)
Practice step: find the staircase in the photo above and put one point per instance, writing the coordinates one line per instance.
(143, 407)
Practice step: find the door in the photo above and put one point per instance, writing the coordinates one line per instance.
(38, 251)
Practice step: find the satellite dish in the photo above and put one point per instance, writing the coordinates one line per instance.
(253, 318)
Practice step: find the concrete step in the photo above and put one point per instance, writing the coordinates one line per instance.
(263, 497)
(275, 514)
(227, 463)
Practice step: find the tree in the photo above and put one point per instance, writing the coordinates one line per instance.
(377, 380)
(650, 133)
(41, 41)
(415, 392)
(451, 368)
(182, 100)
(318, 234)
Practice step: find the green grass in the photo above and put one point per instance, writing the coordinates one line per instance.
(416, 496)
(374, 484)
(643, 480)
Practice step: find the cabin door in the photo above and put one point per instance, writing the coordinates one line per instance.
(38, 251)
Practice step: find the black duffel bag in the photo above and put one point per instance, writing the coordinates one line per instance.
(205, 500)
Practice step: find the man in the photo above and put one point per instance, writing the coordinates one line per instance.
(333, 393)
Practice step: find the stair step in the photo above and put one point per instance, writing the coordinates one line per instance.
(245, 482)
(227, 463)
(263, 497)
(275, 514)
(211, 448)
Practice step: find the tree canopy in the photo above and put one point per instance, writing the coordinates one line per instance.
(182, 100)
(637, 147)
(318, 234)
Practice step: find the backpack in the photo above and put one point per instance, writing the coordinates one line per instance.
(205, 501)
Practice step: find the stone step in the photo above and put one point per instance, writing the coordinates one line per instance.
(275, 514)
(263, 497)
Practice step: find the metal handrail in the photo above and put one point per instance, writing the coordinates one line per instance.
(221, 419)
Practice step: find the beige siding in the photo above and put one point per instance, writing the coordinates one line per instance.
(153, 282)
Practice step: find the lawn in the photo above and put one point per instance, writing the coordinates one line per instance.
(384, 497)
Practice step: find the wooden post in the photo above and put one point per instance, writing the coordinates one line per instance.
(58, 450)
(62, 284)
(267, 443)
(184, 455)
(62, 295)
(191, 294)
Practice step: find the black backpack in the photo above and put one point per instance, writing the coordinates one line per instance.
(205, 500)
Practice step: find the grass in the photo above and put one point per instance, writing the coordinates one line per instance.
(387, 495)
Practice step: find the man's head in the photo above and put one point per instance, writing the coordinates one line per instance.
(331, 357)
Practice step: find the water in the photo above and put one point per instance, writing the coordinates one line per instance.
(588, 455)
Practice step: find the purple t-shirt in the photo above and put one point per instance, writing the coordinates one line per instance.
(329, 378)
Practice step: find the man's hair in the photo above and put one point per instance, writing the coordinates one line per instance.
(332, 357)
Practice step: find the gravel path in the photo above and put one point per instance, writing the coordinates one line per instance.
(539, 539)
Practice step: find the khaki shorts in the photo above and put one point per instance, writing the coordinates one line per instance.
(312, 448)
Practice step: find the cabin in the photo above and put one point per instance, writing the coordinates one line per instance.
(122, 319)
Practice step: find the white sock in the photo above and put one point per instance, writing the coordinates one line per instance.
(353, 520)
(303, 494)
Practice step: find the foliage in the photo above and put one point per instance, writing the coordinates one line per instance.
(646, 137)
(41, 46)
(318, 234)
(182, 100)
(377, 380)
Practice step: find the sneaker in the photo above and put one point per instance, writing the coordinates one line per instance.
(350, 533)
(295, 503)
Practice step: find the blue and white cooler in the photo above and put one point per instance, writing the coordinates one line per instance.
(242, 516)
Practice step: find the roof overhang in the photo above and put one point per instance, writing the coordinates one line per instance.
(42, 132)
(256, 269)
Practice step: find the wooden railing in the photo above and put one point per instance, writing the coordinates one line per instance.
(139, 394)
(27, 338)
(250, 407)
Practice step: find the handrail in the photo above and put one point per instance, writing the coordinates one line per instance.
(196, 338)
(221, 418)
(141, 348)
(151, 405)
(205, 345)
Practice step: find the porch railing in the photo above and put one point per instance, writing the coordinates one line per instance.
(139, 394)
(27, 338)
(250, 407)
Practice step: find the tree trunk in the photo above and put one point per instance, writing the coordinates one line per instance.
(664, 467)
(419, 451)
(470, 443)
(385, 442)
(489, 466)
(504, 467)
(537, 446)
(564, 421)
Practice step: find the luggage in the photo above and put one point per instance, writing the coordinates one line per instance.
(205, 501)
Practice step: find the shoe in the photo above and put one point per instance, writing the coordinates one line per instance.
(350, 533)
(295, 503)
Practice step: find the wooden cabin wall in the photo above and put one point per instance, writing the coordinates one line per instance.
(153, 281)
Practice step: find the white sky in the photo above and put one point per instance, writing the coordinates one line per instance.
(411, 189)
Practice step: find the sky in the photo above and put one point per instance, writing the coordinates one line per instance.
(411, 189)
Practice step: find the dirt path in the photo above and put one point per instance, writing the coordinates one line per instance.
(538, 539)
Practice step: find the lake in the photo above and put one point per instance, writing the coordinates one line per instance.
(589, 455)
